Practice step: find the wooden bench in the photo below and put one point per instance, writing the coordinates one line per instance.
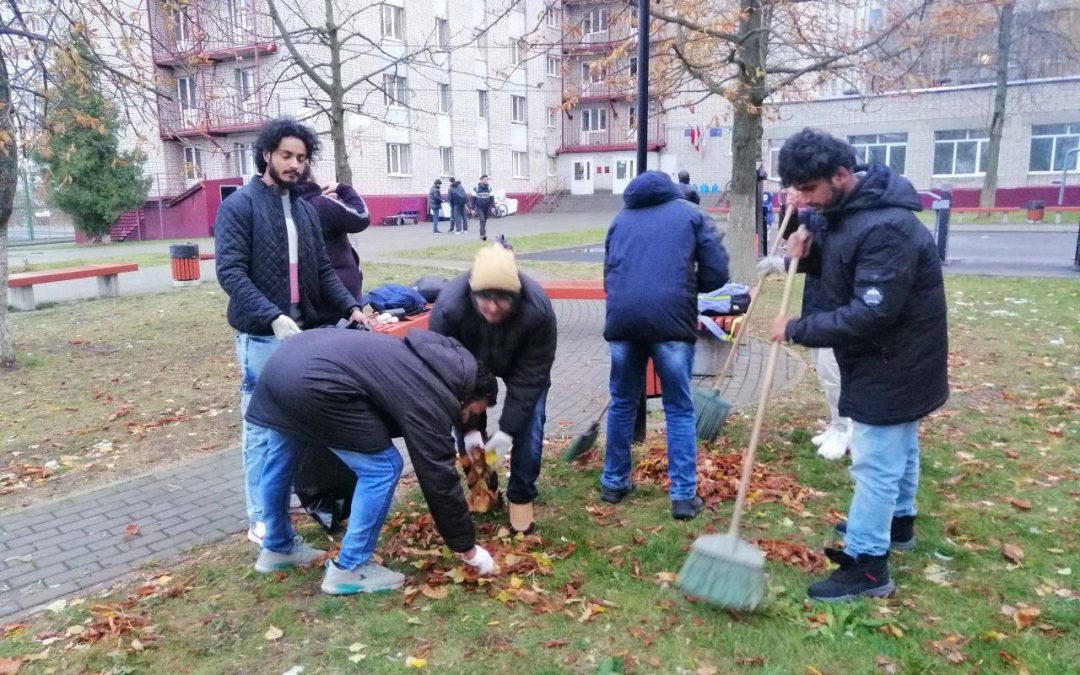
(22, 284)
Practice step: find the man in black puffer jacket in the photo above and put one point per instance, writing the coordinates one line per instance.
(505, 319)
(885, 318)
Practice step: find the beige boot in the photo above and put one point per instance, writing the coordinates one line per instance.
(521, 518)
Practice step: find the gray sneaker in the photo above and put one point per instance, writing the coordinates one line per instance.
(301, 554)
(369, 578)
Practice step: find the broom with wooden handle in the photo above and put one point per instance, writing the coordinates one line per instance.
(710, 405)
(724, 569)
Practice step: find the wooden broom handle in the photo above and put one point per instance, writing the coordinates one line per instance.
(763, 399)
(745, 325)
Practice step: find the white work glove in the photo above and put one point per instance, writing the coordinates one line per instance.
(497, 447)
(284, 327)
(771, 265)
(474, 439)
(482, 561)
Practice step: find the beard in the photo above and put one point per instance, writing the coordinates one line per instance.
(280, 181)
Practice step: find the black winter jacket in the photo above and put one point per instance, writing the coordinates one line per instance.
(434, 198)
(690, 193)
(355, 390)
(252, 252)
(458, 196)
(884, 300)
(339, 218)
(520, 349)
(661, 251)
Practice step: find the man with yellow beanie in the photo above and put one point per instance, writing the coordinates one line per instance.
(504, 318)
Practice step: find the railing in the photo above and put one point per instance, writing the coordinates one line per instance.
(601, 89)
(616, 133)
(209, 30)
(216, 113)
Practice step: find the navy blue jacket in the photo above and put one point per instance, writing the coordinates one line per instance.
(355, 390)
(520, 349)
(252, 251)
(339, 219)
(458, 195)
(434, 198)
(884, 303)
(661, 251)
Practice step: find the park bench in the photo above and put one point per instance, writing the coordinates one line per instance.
(22, 284)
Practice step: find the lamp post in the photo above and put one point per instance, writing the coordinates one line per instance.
(643, 86)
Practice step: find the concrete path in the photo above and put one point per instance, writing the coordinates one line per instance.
(77, 544)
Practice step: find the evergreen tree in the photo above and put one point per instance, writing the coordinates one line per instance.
(86, 174)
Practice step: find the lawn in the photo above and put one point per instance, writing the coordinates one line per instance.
(991, 587)
(527, 244)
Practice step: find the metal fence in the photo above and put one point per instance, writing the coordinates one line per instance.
(32, 221)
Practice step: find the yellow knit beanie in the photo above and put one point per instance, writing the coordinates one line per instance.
(494, 269)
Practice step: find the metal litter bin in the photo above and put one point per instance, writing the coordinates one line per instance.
(1036, 209)
(185, 264)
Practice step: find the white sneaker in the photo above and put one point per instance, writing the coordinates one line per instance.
(835, 444)
(301, 554)
(256, 533)
(369, 578)
(820, 438)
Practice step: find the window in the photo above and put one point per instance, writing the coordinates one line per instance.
(444, 99)
(518, 109)
(515, 53)
(245, 159)
(245, 92)
(1049, 145)
(394, 90)
(482, 103)
(446, 161)
(595, 20)
(240, 17)
(485, 161)
(551, 15)
(631, 117)
(594, 119)
(481, 44)
(591, 74)
(552, 165)
(633, 66)
(960, 152)
(397, 159)
(185, 92)
(887, 149)
(552, 117)
(442, 34)
(184, 31)
(192, 163)
(551, 66)
(392, 19)
(520, 161)
(773, 169)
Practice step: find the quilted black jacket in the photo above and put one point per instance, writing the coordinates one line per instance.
(252, 251)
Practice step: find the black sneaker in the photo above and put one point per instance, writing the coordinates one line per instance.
(686, 509)
(864, 577)
(616, 495)
(902, 533)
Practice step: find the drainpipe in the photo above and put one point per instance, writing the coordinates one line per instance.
(1064, 174)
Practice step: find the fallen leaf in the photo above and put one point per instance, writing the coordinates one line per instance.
(357, 647)
(1064, 571)
(434, 593)
(551, 644)
(1013, 553)
(516, 582)
(666, 577)
(707, 670)
(1022, 504)
(357, 658)
(413, 662)
(132, 530)
(414, 621)
(10, 666)
(886, 664)
(273, 633)
(137, 645)
(1025, 616)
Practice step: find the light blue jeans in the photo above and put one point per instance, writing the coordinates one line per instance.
(252, 352)
(885, 468)
(377, 475)
(673, 362)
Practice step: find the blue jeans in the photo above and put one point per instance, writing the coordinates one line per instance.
(673, 362)
(526, 454)
(275, 485)
(885, 467)
(252, 352)
(377, 475)
(435, 215)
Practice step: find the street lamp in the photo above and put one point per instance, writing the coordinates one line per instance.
(1064, 173)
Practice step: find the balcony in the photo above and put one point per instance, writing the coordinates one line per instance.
(227, 114)
(615, 137)
(203, 35)
(604, 90)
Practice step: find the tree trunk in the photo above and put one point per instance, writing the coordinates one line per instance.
(9, 183)
(746, 132)
(988, 194)
(342, 169)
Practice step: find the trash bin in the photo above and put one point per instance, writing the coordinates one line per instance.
(185, 264)
(1035, 210)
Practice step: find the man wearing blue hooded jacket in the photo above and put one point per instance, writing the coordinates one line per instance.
(661, 251)
(884, 316)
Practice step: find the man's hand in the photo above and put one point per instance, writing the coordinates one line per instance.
(284, 327)
(798, 244)
(497, 447)
(772, 265)
(359, 317)
(778, 333)
(330, 190)
(474, 439)
(480, 559)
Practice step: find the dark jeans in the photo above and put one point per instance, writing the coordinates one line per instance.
(434, 211)
(459, 222)
(483, 207)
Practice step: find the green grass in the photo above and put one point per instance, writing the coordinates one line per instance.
(1010, 432)
(522, 244)
(143, 259)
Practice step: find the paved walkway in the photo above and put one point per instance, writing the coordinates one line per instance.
(77, 544)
